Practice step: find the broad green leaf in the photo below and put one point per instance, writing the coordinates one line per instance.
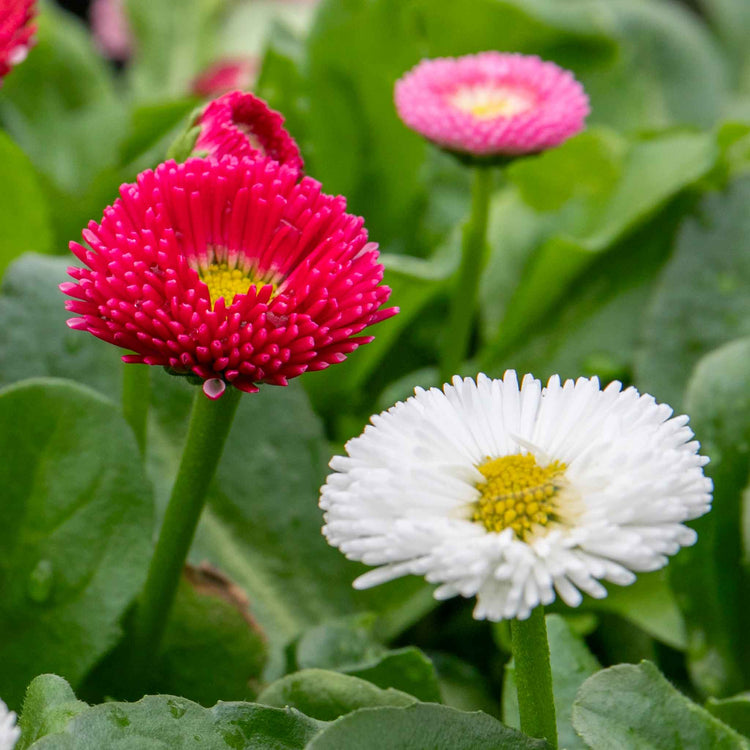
(213, 649)
(731, 20)
(173, 42)
(406, 669)
(682, 77)
(734, 711)
(338, 644)
(76, 541)
(650, 604)
(49, 705)
(418, 727)
(651, 172)
(24, 216)
(327, 695)
(349, 646)
(571, 663)
(595, 330)
(60, 105)
(630, 706)
(709, 579)
(163, 721)
(700, 302)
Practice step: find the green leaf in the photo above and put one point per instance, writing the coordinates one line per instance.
(163, 721)
(34, 340)
(650, 604)
(49, 705)
(173, 43)
(571, 663)
(651, 172)
(596, 328)
(734, 711)
(418, 727)
(709, 578)
(60, 105)
(210, 632)
(76, 541)
(24, 217)
(327, 695)
(348, 645)
(682, 77)
(630, 706)
(406, 669)
(700, 302)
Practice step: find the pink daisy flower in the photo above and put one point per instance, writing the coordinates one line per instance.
(111, 29)
(492, 103)
(226, 75)
(16, 32)
(232, 271)
(240, 124)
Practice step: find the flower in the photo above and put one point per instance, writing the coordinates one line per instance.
(512, 494)
(233, 271)
(492, 104)
(9, 732)
(111, 29)
(240, 124)
(226, 75)
(16, 32)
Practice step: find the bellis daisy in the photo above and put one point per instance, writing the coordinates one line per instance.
(514, 495)
(9, 732)
(492, 104)
(240, 124)
(16, 32)
(232, 271)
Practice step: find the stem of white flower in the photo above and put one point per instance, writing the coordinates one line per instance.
(536, 703)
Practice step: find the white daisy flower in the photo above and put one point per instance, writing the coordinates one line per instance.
(9, 732)
(514, 494)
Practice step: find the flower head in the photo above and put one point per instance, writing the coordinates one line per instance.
(492, 104)
(9, 732)
(226, 75)
(233, 271)
(16, 32)
(111, 29)
(515, 494)
(240, 124)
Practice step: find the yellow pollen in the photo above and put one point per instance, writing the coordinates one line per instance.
(226, 282)
(518, 494)
(486, 102)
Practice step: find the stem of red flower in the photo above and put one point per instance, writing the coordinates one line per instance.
(136, 390)
(536, 703)
(210, 422)
(466, 288)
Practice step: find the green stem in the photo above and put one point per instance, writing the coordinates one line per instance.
(136, 389)
(466, 289)
(536, 703)
(209, 426)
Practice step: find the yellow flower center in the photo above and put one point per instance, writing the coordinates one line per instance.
(487, 102)
(518, 494)
(227, 282)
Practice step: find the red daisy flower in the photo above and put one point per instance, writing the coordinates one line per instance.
(240, 124)
(229, 270)
(16, 32)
